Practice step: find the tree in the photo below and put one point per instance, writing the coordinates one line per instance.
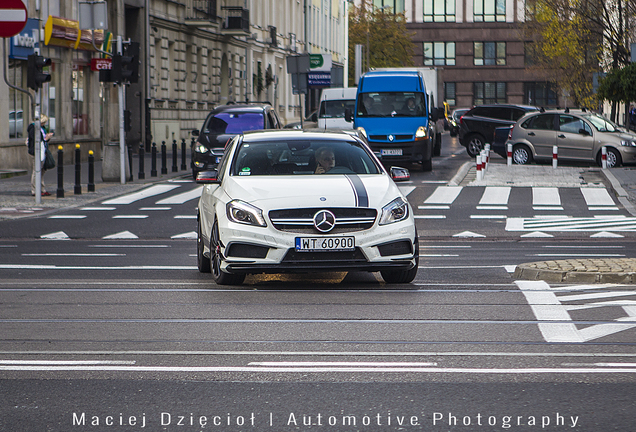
(564, 48)
(384, 33)
(619, 85)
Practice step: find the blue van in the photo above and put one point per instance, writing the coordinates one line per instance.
(392, 112)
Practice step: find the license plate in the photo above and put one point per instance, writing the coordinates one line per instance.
(324, 244)
(391, 152)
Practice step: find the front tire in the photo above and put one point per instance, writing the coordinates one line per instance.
(203, 262)
(476, 144)
(403, 276)
(216, 259)
(613, 158)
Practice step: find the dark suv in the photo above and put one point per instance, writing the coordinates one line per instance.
(222, 124)
(477, 126)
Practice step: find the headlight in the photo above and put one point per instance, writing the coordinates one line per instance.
(395, 211)
(200, 148)
(363, 132)
(421, 133)
(244, 213)
(625, 143)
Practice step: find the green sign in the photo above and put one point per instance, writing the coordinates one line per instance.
(316, 61)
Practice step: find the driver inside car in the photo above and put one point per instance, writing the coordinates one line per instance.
(325, 159)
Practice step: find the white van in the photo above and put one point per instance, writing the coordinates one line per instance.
(333, 102)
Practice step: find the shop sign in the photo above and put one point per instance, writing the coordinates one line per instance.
(320, 70)
(66, 33)
(22, 45)
(98, 64)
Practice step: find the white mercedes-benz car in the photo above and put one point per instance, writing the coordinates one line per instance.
(304, 201)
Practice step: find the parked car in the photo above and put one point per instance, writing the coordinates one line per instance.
(453, 120)
(579, 136)
(477, 126)
(222, 124)
(334, 102)
(269, 209)
(311, 121)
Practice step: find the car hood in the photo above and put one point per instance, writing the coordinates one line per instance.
(338, 190)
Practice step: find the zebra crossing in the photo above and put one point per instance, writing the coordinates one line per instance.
(547, 207)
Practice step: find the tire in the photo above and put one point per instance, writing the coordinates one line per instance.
(216, 258)
(203, 262)
(437, 148)
(521, 154)
(403, 276)
(613, 158)
(475, 144)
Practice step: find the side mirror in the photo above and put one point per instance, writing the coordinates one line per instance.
(208, 177)
(195, 132)
(348, 115)
(400, 174)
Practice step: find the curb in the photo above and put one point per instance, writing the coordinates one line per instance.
(593, 271)
(621, 193)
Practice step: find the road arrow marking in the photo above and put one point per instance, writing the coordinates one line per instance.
(120, 236)
(537, 234)
(607, 235)
(188, 235)
(468, 234)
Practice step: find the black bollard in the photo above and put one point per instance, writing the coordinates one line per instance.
(164, 158)
(141, 175)
(91, 172)
(192, 144)
(60, 172)
(183, 155)
(130, 163)
(174, 156)
(78, 171)
(153, 161)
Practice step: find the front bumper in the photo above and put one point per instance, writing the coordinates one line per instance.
(248, 249)
(412, 151)
(206, 161)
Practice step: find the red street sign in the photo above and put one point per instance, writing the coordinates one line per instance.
(98, 64)
(13, 17)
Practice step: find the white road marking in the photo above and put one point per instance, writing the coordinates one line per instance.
(67, 217)
(185, 217)
(60, 235)
(154, 208)
(488, 216)
(406, 189)
(546, 196)
(468, 234)
(537, 234)
(597, 197)
(495, 195)
(606, 234)
(188, 235)
(98, 208)
(120, 236)
(429, 216)
(354, 364)
(182, 197)
(130, 217)
(444, 195)
(74, 254)
(67, 362)
(151, 191)
(433, 207)
(55, 267)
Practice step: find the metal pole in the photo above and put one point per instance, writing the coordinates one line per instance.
(122, 138)
(60, 172)
(78, 171)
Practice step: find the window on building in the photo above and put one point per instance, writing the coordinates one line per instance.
(397, 6)
(79, 107)
(450, 93)
(489, 10)
(19, 113)
(489, 93)
(439, 53)
(530, 54)
(439, 10)
(540, 94)
(490, 53)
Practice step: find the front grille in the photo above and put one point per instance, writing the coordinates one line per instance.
(344, 258)
(302, 220)
(395, 137)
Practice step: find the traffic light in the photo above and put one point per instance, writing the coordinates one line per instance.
(127, 121)
(126, 66)
(35, 71)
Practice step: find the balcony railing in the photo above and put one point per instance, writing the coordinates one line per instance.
(235, 20)
(201, 12)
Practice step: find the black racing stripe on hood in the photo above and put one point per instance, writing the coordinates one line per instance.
(360, 192)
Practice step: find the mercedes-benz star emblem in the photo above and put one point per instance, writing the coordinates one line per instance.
(324, 221)
(391, 138)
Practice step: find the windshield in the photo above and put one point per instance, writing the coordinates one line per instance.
(302, 157)
(600, 123)
(391, 104)
(234, 123)
(336, 108)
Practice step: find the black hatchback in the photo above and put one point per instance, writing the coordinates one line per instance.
(224, 123)
(477, 126)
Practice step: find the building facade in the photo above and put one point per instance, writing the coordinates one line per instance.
(479, 50)
(194, 55)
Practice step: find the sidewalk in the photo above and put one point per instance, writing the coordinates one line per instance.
(15, 186)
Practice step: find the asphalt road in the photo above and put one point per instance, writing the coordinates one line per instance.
(124, 334)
